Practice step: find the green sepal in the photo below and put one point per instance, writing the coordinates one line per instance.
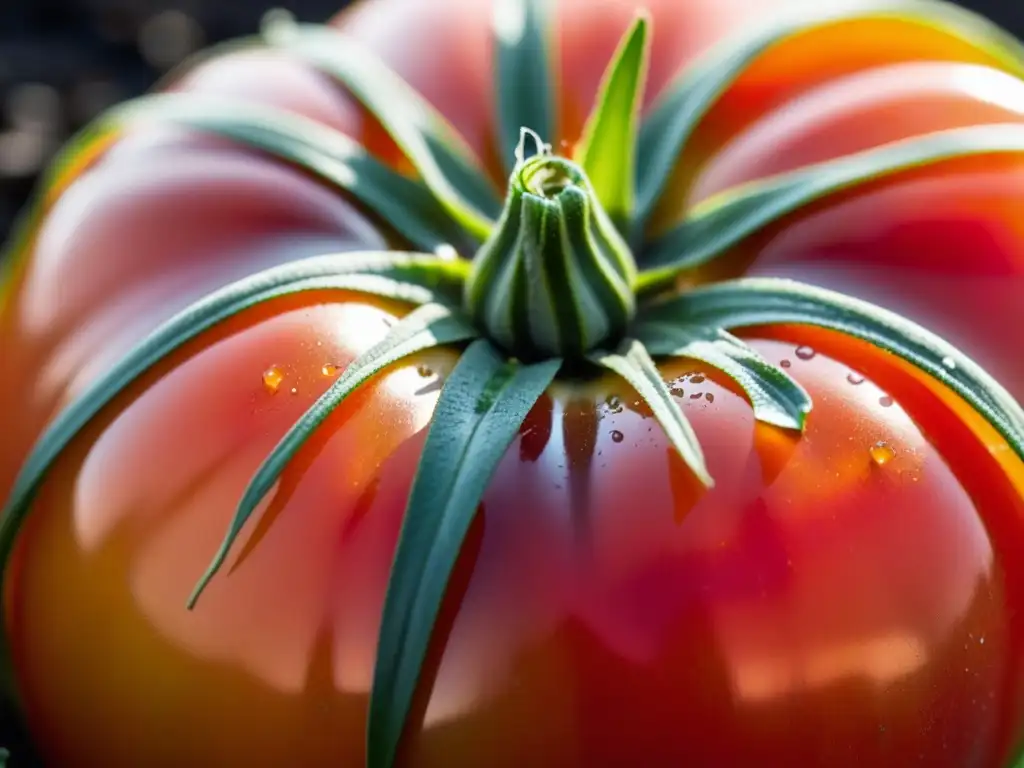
(482, 405)
(750, 302)
(411, 277)
(405, 204)
(555, 278)
(426, 327)
(524, 64)
(680, 109)
(724, 220)
(607, 150)
(435, 149)
(634, 364)
(775, 396)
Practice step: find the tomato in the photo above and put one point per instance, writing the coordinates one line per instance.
(850, 594)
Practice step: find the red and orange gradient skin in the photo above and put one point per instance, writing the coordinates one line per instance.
(852, 596)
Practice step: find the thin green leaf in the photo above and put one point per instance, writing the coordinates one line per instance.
(524, 70)
(724, 220)
(428, 326)
(402, 202)
(347, 271)
(482, 405)
(416, 278)
(680, 109)
(764, 301)
(607, 150)
(429, 142)
(774, 395)
(633, 363)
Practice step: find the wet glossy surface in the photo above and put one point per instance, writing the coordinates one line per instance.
(822, 606)
(851, 597)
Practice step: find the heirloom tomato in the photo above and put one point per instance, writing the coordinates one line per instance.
(522, 383)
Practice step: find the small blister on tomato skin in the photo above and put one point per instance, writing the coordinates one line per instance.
(814, 607)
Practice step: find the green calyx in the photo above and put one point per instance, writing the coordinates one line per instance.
(563, 273)
(555, 278)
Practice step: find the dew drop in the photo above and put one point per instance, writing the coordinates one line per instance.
(709, 397)
(329, 369)
(294, 391)
(882, 453)
(696, 395)
(854, 378)
(805, 352)
(885, 401)
(424, 371)
(272, 378)
(677, 392)
(949, 362)
(617, 437)
(785, 363)
(614, 404)
(697, 378)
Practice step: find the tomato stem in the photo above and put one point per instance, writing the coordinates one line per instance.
(555, 278)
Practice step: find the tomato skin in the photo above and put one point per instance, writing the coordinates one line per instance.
(827, 622)
(821, 606)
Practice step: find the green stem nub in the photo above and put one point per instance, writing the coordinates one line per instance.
(555, 278)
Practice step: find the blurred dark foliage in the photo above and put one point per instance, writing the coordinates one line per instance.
(64, 61)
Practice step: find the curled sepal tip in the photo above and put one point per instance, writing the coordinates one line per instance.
(555, 279)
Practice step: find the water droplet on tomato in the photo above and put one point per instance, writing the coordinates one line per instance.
(272, 378)
(805, 353)
(617, 437)
(696, 395)
(882, 453)
(885, 401)
(294, 391)
(854, 378)
(709, 397)
(329, 369)
(424, 371)
(614, 404)
(785, 363)
(697, 378)
(677, 392)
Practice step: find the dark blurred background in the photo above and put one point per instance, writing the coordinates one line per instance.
(62, 61)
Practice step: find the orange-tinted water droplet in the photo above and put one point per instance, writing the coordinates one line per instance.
(272, 378)
(785, 363)
(882, 453)
(805, 352)
(617, 437)
(854, 378)
(424, 371)
(885, 401)
(677, 392)
(329, 370)
(697, 378)
(696, 395)
(709, 397)
(294, 391)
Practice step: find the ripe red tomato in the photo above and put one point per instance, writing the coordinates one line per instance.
(850, 595)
